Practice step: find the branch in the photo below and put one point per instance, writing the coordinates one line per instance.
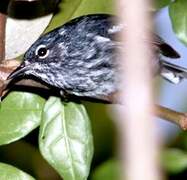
(2, 36)
(173, 116)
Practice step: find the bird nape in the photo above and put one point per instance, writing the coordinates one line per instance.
(81, 58)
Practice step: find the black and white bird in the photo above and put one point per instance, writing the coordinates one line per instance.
(81, 58)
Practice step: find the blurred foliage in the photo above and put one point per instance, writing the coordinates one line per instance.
(27, 157)
(71, 9)
(65, 138)
(104, 132)
(109, 170)
(177, 11)
(174, 160)
(161, 3)
(178, 16)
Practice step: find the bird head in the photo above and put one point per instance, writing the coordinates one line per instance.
(41, 58)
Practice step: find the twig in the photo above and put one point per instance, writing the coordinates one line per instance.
(2, 36)
(173, 116)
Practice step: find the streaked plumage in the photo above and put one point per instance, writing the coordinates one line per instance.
(81, 58)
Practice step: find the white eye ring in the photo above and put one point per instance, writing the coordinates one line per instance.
(41, 51)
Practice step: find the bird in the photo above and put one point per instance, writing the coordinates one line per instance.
(81, 58)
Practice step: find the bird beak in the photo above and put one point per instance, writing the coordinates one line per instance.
(18, 72)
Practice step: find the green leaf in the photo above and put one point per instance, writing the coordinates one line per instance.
(20, 113)
(109, 170)
(178, 15)
(65, 139)
(70, 9)
(174, 160)
(162, 3)
(8, 172)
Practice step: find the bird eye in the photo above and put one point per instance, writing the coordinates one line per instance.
(42, 51)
